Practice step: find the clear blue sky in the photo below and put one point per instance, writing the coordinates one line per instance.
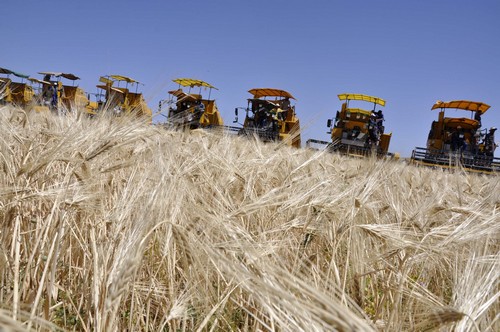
(411, 53)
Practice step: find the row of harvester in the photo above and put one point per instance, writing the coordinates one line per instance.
(269, 114)
(59, 92)
(452, 141)
(356, 131)
(459, 141)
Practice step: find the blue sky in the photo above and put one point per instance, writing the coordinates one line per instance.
(411, 53)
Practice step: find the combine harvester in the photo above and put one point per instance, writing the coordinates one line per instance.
(459, 142)
(188, 110)
(120, 100)
(53, 95)
(17, 93)
(271, 117)
(357, 132)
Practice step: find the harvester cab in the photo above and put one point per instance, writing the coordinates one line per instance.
(188, 110)
(454, 141)
(53, 94)
(357, 131)
(14, 92)
(271, 117)
(120, 99)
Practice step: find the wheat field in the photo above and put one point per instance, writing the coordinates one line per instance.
(110, 224)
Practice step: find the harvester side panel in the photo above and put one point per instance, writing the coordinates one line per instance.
(385, 140)
(211, 116)
(21, 93)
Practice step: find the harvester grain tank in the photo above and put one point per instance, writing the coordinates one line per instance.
(120, 99)
(190, 110)
(357, 131)
(270, 116)
(15, 92)
(459, 141)
(54, 95)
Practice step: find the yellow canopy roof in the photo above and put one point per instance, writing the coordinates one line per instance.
(123, 78)
(467, 105)
(181, 95)
(460, 121)
(105, 80)
(269, 92)
(193, 82)
(354, 96)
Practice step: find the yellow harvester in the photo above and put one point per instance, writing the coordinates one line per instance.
(189, 110)
(56, 96)
(270, 116)
(12, 92)
(120, 100)
(459, 141)
(357, 131)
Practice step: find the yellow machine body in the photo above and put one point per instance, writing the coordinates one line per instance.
(270, 115)
(54, 95)
(191, 110)
(351, 127)
(442, 130)
(459, 141)
(121, 100)
(13, 92)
